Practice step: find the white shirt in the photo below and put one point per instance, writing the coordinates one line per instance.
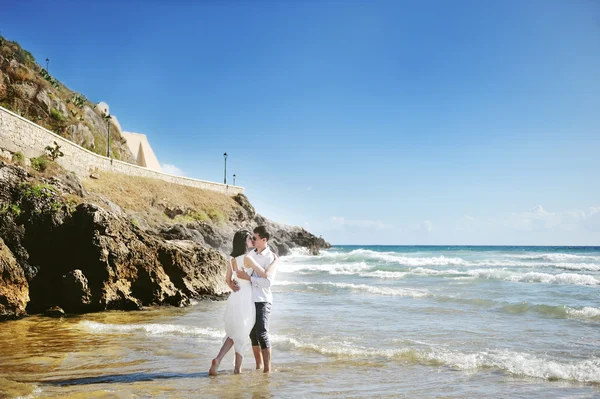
(261, 287)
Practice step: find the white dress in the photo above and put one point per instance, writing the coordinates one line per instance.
(240, 312)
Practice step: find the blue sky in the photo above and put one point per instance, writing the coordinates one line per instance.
(369, 122)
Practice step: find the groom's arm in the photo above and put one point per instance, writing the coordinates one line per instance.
(260, 282)
(263, 282)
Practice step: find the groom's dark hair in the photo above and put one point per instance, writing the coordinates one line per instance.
(262, 232)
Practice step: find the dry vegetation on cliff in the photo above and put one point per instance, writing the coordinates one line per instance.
(160, 202)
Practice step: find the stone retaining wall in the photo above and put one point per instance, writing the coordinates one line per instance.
(18, 134)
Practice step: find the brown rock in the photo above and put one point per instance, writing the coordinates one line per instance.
(54, 311)
(14, 289)
(81, 135)
(129, 268)
(75, 291)
(246, 205)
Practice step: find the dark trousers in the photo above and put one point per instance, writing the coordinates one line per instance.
(260, 332)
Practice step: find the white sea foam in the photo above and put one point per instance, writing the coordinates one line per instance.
(384, 274)
(516, 363)
(365, 263)
(535, 277)
(34, 394)
(366, 255)
(494, 274)
(521, 364)
(389, 291)
(335, 268)
(558, 257)
(586, 312)
(152, 329)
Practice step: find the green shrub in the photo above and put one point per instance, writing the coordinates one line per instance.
(78, 100)
(15, 209)
(19, 158)
(56, 206)
(49, 78)
(37, 191)
(54, 152)
(216, 216)
(39, 163)
(57, 115)
(199, 216)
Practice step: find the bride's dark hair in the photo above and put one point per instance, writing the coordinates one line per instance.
(239, 243)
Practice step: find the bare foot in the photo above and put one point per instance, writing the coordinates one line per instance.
(213, 368)
(259, 366)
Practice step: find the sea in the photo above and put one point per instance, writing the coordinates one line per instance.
(352, 322)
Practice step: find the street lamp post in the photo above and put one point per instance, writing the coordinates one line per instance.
(48, 65)
(225, 175)
(234, 179)
(107, 116)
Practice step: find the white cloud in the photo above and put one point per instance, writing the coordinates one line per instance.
(592, 219)
(539, 219)
(172, 169)
(364, 224)
(426, 225)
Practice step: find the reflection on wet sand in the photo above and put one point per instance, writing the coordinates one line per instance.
(61, 358)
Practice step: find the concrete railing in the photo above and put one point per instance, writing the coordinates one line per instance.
(18, 134)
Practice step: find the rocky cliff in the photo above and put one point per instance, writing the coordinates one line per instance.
(117, 242)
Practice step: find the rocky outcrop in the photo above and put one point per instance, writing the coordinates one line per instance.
(81, 135)
(14, 289)
(76, 293)
(284, 238)
(86, 258)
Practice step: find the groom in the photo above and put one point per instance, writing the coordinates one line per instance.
(263, 298)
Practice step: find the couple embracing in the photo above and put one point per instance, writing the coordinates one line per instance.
(250, 274)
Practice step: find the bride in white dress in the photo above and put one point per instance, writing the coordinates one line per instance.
(240, 311)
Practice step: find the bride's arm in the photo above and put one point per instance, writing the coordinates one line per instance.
(251, 262)
(232, 284)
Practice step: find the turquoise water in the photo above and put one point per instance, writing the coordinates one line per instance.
(416, 322)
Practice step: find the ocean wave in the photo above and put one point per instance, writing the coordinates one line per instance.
(363, 260)
(585, 313)
(151, 329)
(491, 274)
(388, 291)
(529, 265)
(535, 277)
(382, 274)
(521, 364)
(558, 257)
(558, 311)
(335, 268)
(514, 363)
(366, 255)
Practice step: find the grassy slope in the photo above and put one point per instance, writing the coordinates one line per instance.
(149, 197)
